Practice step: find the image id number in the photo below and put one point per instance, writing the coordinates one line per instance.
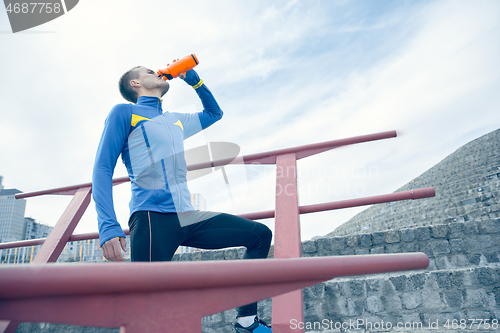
(471, 324)
(34, 7)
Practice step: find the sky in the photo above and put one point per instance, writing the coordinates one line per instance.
(286, 73)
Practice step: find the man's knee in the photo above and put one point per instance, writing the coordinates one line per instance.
(265, 233)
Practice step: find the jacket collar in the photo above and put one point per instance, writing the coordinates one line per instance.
(149, 101)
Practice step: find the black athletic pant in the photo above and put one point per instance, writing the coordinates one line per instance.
(155, 237)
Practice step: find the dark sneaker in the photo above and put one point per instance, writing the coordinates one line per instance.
(258, 326)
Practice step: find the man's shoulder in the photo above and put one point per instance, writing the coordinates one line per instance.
(122, 110)
(123, 107)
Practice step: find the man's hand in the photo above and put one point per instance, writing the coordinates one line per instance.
(111, 249)
(191, 77)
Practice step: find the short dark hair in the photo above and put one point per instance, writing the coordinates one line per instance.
(124, 85)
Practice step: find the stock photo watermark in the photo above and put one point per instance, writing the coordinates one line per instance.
(366, 324)
(24, 15)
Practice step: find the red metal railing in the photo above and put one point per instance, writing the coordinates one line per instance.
(197, 294)
(170, 297)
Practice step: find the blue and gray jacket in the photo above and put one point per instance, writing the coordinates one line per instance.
(152, 149)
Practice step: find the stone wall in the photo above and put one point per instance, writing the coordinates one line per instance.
(414, 301)
(462, 281)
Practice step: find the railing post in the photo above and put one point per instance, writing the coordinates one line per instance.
(59, 236)
(287, 240)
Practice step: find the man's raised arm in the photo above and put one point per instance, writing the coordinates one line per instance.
(195, 122)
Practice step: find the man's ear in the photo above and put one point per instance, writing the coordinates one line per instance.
(135, 83)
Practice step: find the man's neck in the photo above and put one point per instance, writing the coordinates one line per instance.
(151, 94)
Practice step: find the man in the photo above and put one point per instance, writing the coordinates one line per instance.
(150, 142)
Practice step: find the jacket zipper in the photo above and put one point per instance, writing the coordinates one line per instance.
(148, 147)
(175, 163)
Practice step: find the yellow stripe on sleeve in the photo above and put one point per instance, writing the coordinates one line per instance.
(199, 84)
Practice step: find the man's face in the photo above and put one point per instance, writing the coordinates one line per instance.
(150, 80)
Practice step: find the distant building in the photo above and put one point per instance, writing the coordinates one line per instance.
(11, 215)
(34, 230)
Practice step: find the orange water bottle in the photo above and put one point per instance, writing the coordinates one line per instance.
(180, 66)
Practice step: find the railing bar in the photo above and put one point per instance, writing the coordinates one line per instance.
(66, 189)
(326, 144)
(399, 196)
(309, 150)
